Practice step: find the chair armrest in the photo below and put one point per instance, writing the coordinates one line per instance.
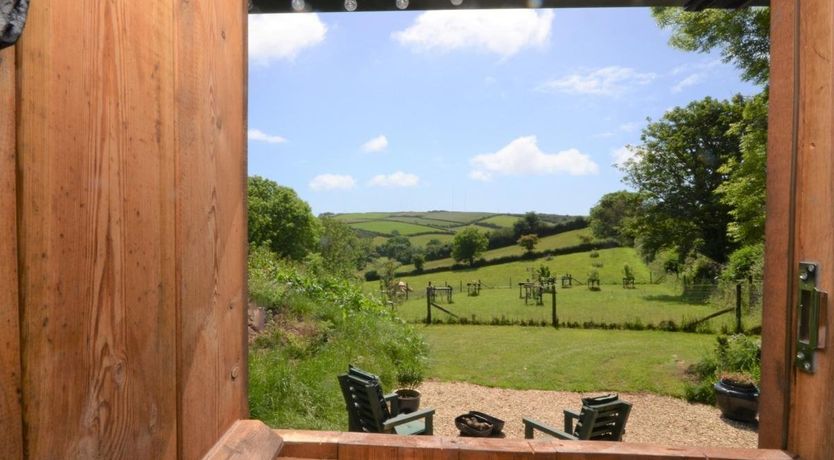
(569, 418)
(393, 400)
(530, 425)
(428, 414)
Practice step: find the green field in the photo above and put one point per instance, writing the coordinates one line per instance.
(564, 359)
(569, 238)
(504, 220)
(422, 240)
(387, 227)
(440, 224)
(578, 265)
(646, 304)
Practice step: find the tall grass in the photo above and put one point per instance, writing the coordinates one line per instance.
(320, 325)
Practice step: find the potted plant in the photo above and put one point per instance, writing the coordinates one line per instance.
(409, 377)
(737, 396)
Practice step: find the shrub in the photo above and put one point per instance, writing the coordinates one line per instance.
(732, 354)
(322, 323)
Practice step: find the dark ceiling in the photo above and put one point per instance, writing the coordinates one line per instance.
(329, 6)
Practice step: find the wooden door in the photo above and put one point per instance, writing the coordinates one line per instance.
(797, 408)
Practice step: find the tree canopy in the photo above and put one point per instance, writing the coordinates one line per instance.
(280, 220)
(342, 251)
(742, 35)
(469, 244)
(527, 224)
(677, 169)
(613, 217)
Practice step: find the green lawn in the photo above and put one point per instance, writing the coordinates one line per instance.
(564, 359)
(578, 265)
(613, 304)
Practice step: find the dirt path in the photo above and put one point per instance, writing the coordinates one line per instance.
(654, 419)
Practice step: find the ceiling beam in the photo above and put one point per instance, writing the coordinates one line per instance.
(331, 6)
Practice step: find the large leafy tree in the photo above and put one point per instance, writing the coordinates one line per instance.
(341, 249)
(397, 247)
(743, 38)
(613, 217)
(469, 244)
(677, 169)
(280, 220)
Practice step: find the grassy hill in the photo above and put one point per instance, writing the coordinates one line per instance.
(561, 240)
(421, 227)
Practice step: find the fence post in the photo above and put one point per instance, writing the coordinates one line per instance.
(428, 305)
(554, 318)
(738, 308)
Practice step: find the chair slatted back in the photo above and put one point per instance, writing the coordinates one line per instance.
(366, 406)
(604, 422)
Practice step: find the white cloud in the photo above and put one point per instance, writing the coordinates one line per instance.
(622, 155)
(482, 176)
(282, 36)
(607, 81)
(376, 144)
(523, 156)
(629, 127)
(691, 80)
(397, 179)
(698, 72)
(258, 135)
(325, 182)
(502, 32)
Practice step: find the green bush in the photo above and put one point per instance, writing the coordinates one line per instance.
(321, 324)
(735, 353)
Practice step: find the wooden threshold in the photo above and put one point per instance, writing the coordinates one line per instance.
(332, 445)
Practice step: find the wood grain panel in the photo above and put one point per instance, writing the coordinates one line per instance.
(811, 429)
(778, 298)
(96, 237)
(247, 440)
(11, 434)
(211, 219)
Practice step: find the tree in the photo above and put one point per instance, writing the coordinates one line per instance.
(529, 223)
(419, 261)
(744, 189)
(469, 244)
(397, 247)
(677, 169)
(613, 216)
(280, 220)
(436, 249)
(528, 242)
(341, 249)
(742, 35)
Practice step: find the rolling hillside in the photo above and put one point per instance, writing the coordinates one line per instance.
(421, 227)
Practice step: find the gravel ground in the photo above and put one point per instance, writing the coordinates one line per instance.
(654, 419)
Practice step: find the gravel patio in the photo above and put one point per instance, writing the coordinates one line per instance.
(654, 419)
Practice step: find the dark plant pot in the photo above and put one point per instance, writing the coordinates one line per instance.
(737, 402)
(409, 400)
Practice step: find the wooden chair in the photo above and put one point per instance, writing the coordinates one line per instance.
(600, 419)
(368, 409)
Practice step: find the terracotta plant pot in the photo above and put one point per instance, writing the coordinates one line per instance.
(737, 402)
(409, 400)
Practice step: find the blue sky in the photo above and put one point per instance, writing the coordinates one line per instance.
(500, 111)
